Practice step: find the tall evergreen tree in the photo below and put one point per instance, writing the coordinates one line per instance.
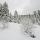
(5, 5)
(39, 12)
(0, 7)
(35, 13)
(5, 9)
(10, 17)
(15, 14)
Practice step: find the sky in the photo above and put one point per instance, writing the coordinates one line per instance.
(21, 5)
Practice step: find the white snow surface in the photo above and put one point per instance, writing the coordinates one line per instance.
(13, 33)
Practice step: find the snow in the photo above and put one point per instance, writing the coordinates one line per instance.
(13, 33)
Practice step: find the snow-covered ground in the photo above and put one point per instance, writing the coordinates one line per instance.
(13, 33)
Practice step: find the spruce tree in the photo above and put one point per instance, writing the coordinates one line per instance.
(15, 16)
(11, 18)
(5, 9)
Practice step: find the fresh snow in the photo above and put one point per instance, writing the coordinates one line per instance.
(13, 32)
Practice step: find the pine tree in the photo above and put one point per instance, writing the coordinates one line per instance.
(11, 18)
(35, 13)
(0, 10)
(5, 5)
(5, 9)
(0, 7)
(39, 12)
(15, 14)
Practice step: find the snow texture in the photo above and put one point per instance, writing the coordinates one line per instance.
(14, 33)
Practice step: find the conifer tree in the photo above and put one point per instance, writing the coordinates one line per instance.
(11, 18)
(5, 11)
(16, 16)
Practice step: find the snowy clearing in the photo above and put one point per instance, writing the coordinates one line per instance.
(13, 33)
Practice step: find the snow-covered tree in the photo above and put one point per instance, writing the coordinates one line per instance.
(0, 10)
(16, 13)
(5, 9)
(35, 13)
(10, 17)
(15, 16)
(39, 12)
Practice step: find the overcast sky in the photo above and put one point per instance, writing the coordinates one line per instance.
(22, 4)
